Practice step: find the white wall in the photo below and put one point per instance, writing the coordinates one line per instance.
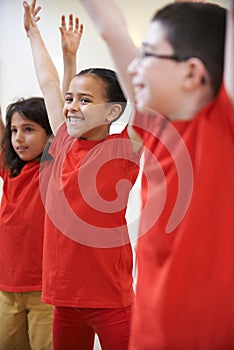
(17, 77)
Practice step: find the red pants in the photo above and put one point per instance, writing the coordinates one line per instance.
(74, 328)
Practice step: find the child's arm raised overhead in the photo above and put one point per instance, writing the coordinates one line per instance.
(70, 42)
(45, 70)
(113, 29)
(229, 53)
(110, 24)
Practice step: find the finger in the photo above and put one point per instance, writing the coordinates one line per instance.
(27, 11)
(76, 24)
(70, 22)
(36, 10)
(81, 29)
(37, 18)
(63, 22)
(78, 27)
(32, 6)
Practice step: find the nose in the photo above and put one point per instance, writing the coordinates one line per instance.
(19, 137)
(74, 106)
(131, 69)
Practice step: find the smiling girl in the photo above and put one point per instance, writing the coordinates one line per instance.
(87, 263)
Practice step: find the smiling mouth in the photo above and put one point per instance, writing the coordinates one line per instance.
(137, 88)
(75, 120)
(21, 148)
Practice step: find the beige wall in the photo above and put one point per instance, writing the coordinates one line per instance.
(17, 77)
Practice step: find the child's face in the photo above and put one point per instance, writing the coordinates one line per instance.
(86, 110)
(28, 137)
(156, 80)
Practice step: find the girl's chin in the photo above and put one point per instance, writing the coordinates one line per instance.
(73, 132)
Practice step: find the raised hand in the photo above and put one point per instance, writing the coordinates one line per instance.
(71, 36)
(31, 15)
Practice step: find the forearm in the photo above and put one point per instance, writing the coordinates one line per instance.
(229, 52)
(45, 70)
(69, 70)
(110, 24)
(106, 16)
(48, 79)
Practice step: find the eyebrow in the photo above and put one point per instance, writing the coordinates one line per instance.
(26, 124)
(79, 94)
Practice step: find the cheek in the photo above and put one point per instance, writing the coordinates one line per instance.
(12, 140)
(91, 115)
(149, 76)
(44, 140)
(65, 110)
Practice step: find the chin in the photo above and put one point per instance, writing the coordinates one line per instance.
(73, 133)
(146, 107)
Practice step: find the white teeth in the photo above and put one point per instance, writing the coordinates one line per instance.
(74, 119)
(137, 87)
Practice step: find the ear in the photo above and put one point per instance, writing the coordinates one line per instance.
(194, 74)
(114, 112)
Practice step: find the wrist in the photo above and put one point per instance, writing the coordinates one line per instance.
(33, 32)
(69, 54)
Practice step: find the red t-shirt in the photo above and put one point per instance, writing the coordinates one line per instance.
(22, 229)
(185, 289)
(87, 255)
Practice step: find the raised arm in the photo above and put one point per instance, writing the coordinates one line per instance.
(46, 72)
(110, 24)
(229, 53)
(70, 42)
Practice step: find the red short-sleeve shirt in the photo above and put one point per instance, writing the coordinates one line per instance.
(87, 255)
(22, 229)
(185, 288)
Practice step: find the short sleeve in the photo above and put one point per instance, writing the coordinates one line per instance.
(61, 141)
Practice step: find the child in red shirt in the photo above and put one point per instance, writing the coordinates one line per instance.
(185, 286)
(87, 269)
(26, 322)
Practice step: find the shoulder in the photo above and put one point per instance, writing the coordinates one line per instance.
(61, 141)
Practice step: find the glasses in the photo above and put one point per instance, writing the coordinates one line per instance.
(174, 57)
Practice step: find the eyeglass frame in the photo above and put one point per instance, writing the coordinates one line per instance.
(174, 57)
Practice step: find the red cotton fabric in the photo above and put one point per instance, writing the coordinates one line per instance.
(22, 229)
(184, 297)
(74, 328)
(87, 254)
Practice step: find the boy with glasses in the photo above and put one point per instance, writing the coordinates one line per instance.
(185, 72)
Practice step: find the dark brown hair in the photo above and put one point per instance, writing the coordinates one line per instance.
(32, 108)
